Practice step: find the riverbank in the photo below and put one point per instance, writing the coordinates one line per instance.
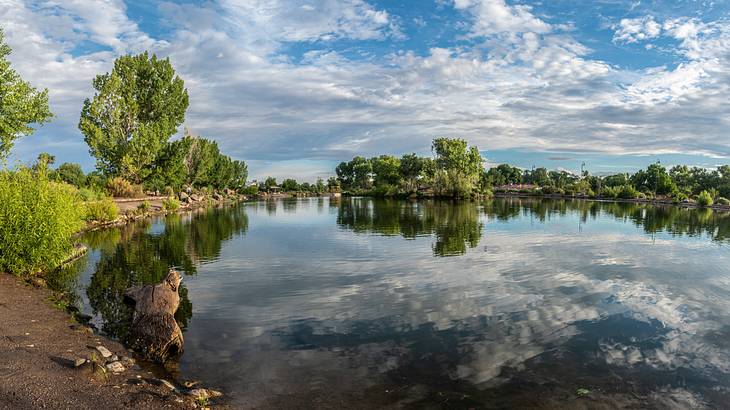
(41, 354)
(654, 202)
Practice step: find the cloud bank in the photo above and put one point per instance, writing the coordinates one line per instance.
(291, 81)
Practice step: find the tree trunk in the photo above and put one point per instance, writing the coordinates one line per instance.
(155, 333)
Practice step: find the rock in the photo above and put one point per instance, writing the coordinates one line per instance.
(114, 358)
(127, 361)
(155, 333)
(161, 382)
(197, 198)
(79, 361)
(115, 367)
(103, 351)
(217, 197)
(204, 393)
(183, 196)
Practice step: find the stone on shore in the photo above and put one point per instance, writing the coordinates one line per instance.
(103, 351)
(155, 333)
(115, 367)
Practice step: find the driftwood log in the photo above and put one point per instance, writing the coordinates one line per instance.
(155, 333)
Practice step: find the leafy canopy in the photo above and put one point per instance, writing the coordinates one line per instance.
(136, 109)
(20, 104)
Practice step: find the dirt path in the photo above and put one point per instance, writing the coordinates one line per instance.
(38, 344)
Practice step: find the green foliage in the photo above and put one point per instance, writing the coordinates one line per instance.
(71, 174)
(654, 179)
(412, 169)
(319, 186)
(134, 112)
(121, 188)
(333, 184)
(620, 192)
(627, 192)
(384, 190)
(144, 207)
(386, 170)
(20, 104)
(704, 199)
(503, 174)
(250, 190)
(88, 194)
(170, 204)
(37, 219)
(458, 167)
(289, 185)
(104, 210)
(269, 183)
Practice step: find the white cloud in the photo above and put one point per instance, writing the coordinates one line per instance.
(636, 29)
(520, 82)
(496, 16)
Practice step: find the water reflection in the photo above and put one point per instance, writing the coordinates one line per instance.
(508, 303)
(142, 253)
(454, 224)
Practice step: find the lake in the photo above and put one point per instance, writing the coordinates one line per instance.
(361, 303)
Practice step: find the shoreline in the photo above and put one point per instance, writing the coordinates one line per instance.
(653, 202)
(34, 358)
(48, 360)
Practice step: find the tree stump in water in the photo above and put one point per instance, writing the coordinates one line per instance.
(155, 333)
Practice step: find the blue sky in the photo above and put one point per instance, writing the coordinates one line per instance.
(295, 86)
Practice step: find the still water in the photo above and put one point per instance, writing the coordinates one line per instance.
(360, 303)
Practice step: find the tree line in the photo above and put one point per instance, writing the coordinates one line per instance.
(453, 171)
(456, 170)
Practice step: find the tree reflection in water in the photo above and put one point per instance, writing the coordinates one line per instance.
(142, 253)
(457, 225)
(454, 224)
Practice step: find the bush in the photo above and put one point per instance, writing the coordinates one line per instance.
(250, 190)
(680, 197)
(168, 191)
(704, 199)
(627, 192)
(120, 187)
(90, 194)
(143, 207)
(103, 210)
(37, 219)
(171, 204)
(723, 201)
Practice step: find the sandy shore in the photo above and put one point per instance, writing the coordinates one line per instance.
(38, 346)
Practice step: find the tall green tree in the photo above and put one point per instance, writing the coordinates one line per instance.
(136, 109)
(386, 170)
(21, 105)
(411, 169)
(71, 174)
(458, 166)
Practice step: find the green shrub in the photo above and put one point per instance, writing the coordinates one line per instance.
(680, 197)
(723, 201)
(103, 210)
(88, 194)
(627, 192)
(37, 219)
(168, 191)
(704, 199)
(144, 206)
(120, 187)
(171, 204)
(250, 190)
